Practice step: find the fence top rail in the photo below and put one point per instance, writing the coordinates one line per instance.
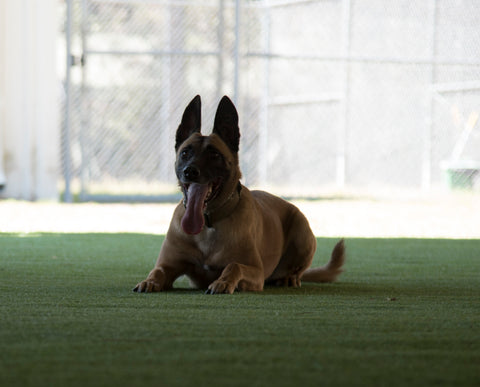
(152, 52)
(456, 87)
(179, 3)
(367, 59)
(214, 3)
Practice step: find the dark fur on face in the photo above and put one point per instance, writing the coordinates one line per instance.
(207, 166)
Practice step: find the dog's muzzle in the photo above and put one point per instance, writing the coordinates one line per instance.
(191, 173)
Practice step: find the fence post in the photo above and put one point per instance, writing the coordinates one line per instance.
(166, 93)
(236, 52)
(427, 135)
(84, 109)
(263, 134)
(220, 34)
(344, 114)
(68, 105)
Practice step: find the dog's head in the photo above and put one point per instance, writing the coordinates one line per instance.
(206, 166)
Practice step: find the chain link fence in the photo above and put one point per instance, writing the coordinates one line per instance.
(332, 94)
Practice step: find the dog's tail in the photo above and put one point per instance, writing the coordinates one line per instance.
(331, 270)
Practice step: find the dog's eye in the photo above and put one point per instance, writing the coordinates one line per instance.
(214, 155)
(185, 153)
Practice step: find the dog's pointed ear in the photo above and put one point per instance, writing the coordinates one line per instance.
(226, 124)
(191, 121)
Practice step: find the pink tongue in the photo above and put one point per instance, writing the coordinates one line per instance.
(193, 220)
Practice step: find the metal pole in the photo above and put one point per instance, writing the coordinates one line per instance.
(427, 135)
(220, 34)
(263, 135)
(165, 95)
(66, 139)
(84, 120)
(341, 163)
(236, 52)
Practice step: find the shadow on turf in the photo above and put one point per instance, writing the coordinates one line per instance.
(306, 288)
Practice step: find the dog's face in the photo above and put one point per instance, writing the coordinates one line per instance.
(206, 166)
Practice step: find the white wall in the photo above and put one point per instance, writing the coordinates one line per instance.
(29, 106)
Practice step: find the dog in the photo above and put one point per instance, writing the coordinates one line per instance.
(223, 236)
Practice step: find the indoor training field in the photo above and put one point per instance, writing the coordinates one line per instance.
(405, 312)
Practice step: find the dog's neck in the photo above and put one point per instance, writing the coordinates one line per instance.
(223, 210)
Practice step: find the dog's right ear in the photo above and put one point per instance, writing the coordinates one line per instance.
(191, 121)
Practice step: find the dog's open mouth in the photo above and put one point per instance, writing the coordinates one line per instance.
(196, 197)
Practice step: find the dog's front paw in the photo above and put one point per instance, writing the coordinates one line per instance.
(147, 286)
(220, 286)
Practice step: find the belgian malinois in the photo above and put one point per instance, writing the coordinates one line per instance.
(223, 236)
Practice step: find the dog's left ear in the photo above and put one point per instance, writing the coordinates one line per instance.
(226, 124)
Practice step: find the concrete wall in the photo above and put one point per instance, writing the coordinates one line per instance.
(29, 104)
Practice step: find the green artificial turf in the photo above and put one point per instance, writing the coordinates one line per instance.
(405, 313)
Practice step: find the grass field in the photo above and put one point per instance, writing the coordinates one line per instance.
(405, 313)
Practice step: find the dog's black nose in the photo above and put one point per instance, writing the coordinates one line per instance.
(191, 173)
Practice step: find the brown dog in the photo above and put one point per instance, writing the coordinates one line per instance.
(223, 236)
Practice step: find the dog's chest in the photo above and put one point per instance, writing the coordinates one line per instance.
(212, 251)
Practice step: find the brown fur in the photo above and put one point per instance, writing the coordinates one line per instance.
(250, 237)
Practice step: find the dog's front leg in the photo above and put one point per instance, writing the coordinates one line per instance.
(169, 267)
(155, 282)
(249, 278)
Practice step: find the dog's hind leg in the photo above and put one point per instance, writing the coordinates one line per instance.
(292, 265)
(297, 256)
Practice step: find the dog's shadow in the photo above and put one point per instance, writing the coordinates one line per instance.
(327, 289)
(182, 286)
